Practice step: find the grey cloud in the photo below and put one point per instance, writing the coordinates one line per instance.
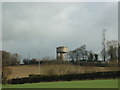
(43, 26)
(0, 26)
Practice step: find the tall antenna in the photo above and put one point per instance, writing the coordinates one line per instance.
(103, 44)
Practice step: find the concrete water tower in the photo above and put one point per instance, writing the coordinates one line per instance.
(62, 53)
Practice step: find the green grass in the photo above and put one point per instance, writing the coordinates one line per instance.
(113, 83)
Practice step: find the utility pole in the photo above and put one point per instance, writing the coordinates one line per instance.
(103, 44)
(29, 57)
(39, 61)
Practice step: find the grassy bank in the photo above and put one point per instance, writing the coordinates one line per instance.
(111, 83)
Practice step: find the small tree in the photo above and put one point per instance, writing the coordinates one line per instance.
(96, 57)
(90, 56)
(33, 61)
(15, 59)
(6, 56)
(112, 50)
(26, 61)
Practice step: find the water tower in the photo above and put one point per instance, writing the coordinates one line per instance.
(62, 53)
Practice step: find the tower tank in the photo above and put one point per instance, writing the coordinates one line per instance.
(62, 52)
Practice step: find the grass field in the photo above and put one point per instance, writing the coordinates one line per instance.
(111, 83)
(25, 70)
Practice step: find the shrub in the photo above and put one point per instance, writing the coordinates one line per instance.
(47, 78)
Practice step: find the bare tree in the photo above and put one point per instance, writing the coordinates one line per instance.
(96, 57)
(79, 53)
(15, 59)
(82, 52)
(112, 50)
(90, 56)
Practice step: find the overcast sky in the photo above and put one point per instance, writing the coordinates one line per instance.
(41, 27)
(0, 26)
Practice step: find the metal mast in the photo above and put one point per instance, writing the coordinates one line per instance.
(103, 44)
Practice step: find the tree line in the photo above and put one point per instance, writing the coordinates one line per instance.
(79, 54)
(82, 54)
(112, 51)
